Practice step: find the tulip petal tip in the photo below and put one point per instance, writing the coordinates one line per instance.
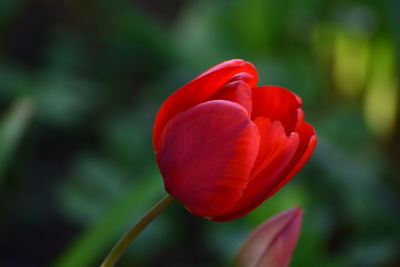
(273, 242)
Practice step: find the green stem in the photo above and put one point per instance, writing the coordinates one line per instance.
(136, 229)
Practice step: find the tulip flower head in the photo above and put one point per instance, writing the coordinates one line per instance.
(272, 243)
(224, 145)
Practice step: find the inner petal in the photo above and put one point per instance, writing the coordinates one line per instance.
(277, 103)
(236, 91)
(272, 137)
(307, 143)
(246, 77)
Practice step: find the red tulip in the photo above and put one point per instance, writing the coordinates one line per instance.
(224, 145)
(272, 243)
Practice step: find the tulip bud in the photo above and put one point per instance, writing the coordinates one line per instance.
(272, 243)
(224, 145)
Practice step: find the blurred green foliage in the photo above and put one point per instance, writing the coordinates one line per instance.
(78, 171)
(11, 128)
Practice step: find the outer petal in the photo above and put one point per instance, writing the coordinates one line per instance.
(206, 155)
(276, 103)
(200, 89)
(272, 243)
(276, 151)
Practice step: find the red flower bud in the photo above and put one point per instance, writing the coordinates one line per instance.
(272, 243)
(224, 145)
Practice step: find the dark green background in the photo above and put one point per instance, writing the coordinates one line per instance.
(81, 81)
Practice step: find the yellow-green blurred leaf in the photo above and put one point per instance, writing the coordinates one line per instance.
(11, 129)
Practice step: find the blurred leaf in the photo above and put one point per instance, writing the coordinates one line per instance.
(14, 82)
(98, 238)
(64, 100)
(197, 32)
(371, 253)
(381, 99)
(126, 139)
(91, 186)
(351, 58)
(257, 26)
(11, 129)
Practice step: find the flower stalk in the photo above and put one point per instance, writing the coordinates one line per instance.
(119, 249)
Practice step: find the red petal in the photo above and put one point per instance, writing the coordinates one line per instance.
(276, 103)
(272, 243)
(199, 90)
(206, 155)
(236, 91)
(246, 77)
(308, 141)
(272, 139)
(276, 151)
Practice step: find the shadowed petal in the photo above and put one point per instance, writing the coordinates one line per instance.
(276, 151)
(308, 141)
(272, 243)
(199, 90)
(206, 155)
(272, 139)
